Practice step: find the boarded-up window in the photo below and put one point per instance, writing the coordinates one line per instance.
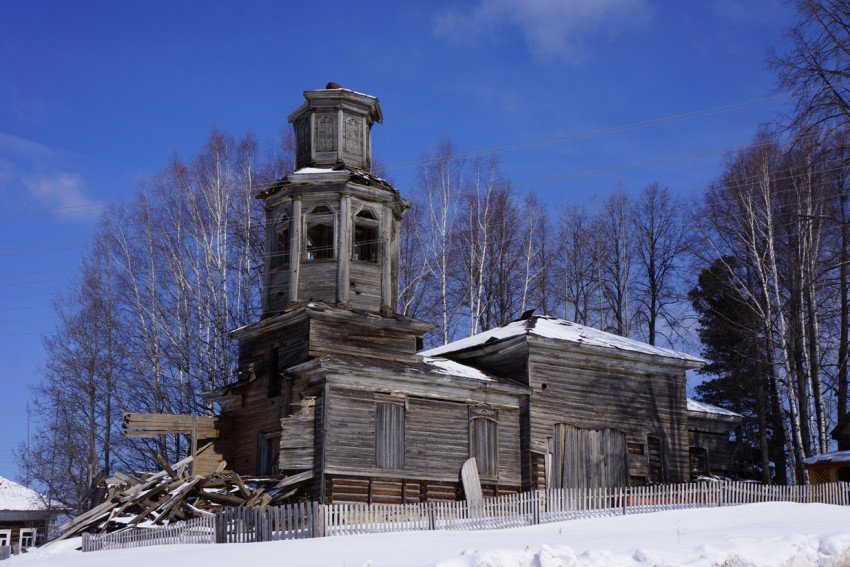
(588, 458)
(483, 445)
(657, 456)
(389, 436)
(699, 461)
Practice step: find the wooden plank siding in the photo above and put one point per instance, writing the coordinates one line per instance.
(298, 437)
(360, 338)
(260, 412)
(590, 394)
(317, 280)
(713, 436)
(436, 444)
(365, 278)
(278, 290)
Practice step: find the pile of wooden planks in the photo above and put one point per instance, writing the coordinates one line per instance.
(174, 494)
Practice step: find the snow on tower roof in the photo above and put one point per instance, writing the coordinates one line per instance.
(551, 328)
(14, 496)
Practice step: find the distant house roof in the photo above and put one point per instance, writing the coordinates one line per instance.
(559, 329)
(17, 497)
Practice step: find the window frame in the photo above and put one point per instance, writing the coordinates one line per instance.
(390, 446)
(662, 467)
(267, 464)
(328, 219)
(488, 468)
(280, 250)
(27, 533)
(371, 245)
(698, 454)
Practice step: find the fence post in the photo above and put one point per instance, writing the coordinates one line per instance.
(535, 508)
(220, 526)
(318, 527)
(432, 516)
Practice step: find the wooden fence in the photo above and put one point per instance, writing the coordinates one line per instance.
(273, 523)
(307, 520)
(198, 530)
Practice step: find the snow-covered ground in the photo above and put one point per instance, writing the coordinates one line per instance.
(757, 534)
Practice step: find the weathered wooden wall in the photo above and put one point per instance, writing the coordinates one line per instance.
(278, 290)
(365, 280)
(436, 445)
(592, 392)
(317, 280)
(343, 335)
(261, 409)
(298, 436)
(713, 436)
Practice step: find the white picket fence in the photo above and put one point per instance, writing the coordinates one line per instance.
(304, 520)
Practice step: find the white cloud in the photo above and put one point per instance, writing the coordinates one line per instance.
(10, 144)
(63, 194)
(551, 27)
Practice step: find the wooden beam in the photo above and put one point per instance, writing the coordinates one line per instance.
(154, 424)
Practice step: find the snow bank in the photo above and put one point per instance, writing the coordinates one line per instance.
(768, 534)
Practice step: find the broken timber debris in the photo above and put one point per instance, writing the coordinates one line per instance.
(173, 494)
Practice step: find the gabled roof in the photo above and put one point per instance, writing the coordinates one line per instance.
(561, 330)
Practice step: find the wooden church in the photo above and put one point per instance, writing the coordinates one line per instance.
(333, 391)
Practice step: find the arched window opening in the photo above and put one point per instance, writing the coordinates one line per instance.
(320, 233)
(281, 245)
(366, 237)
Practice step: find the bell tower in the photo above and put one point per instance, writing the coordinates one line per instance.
(332, 228)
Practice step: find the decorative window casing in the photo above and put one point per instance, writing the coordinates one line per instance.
(320, 223)
(366, 244)
(484, 441)
(389, 435)
(27, 537)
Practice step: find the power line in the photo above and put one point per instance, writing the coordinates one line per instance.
(602, 131)
(599, 132)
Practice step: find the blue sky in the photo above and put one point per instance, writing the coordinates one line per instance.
(97, 96)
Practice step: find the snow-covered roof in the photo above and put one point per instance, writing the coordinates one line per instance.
(17, 497)
(833, 457)
(559, 329)
(452, 368)
(694, 405)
